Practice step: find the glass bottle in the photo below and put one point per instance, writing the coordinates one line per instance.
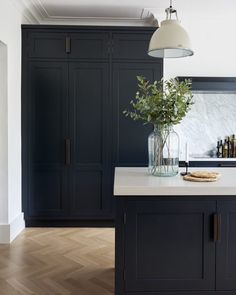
(221, 149)
(229, 147)
(163, 149)
(225, 149)
(233, 146)
(218, 149)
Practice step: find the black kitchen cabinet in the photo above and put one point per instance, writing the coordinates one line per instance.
(89, 128)
(47, 44)
(76, 82)
(173, 249)
(175, 245)
(129, 150)
(131, 45)
(47, 129)
(89, 45)
(226, 248)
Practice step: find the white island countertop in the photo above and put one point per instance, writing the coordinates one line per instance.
(137, 182)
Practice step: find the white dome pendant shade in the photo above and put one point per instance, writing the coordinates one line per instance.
(170, 40)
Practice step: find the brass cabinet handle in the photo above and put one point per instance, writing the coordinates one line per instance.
(68, 149)
(217, 227)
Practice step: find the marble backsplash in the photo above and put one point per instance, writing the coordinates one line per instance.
(212, 117)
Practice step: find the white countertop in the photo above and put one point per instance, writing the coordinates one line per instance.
(192, 159)
(137, 182)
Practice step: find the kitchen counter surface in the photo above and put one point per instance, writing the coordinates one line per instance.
(137, 182)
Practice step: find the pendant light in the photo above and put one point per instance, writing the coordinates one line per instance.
(170, 40)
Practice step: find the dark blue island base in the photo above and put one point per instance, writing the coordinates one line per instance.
(168, 245)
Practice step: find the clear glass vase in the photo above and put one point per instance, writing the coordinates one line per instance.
(163, 148)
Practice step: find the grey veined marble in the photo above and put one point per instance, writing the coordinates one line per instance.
(212, 117)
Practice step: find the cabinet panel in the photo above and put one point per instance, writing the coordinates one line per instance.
(88, 95)
(89, 45)
(89, 127)
(226, 247)
(47, 111)
(88, 192)
(47, 45)
(131, 46)
(168, 246)
(47, 192)
(130, 137)
(47, 126)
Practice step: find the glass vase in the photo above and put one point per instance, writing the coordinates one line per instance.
(163, 148)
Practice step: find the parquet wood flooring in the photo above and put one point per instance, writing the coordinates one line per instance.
(59, 261)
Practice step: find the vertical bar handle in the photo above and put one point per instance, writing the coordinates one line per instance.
(68, 148)
(68, 44)
(217, 227)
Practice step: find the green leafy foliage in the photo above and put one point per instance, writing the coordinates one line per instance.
(161, 103)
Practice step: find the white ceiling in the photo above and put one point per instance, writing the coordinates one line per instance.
(136, 12)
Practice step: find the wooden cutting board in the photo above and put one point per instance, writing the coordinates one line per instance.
(199, 179)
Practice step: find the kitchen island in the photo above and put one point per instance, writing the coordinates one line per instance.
(175, 237)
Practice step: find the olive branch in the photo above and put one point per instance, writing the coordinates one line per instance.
(162, 103)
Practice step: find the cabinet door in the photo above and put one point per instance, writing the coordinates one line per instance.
(47, 128)
(47, 44)
(130, 137)
(89, 45)
(131, 45)
(90, 176)
(226, 247)
(168, 246)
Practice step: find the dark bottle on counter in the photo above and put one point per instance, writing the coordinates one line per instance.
(229, 147)
(218, 149)
(225, 149)
(233, 146)
(220, 153)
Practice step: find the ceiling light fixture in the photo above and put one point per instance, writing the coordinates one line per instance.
(170, 40)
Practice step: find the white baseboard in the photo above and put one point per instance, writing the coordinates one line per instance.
(8, 232)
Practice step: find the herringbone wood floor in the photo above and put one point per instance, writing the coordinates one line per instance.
(59, 261)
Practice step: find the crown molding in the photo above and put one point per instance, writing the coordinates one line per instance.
(98, 22)
(109, 21)
(29, 13)
(34, 12)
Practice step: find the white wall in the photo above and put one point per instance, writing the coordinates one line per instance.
(11, 217)
(214, 43)
(3, 135)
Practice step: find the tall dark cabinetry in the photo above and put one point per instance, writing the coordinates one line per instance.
(76, 83)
